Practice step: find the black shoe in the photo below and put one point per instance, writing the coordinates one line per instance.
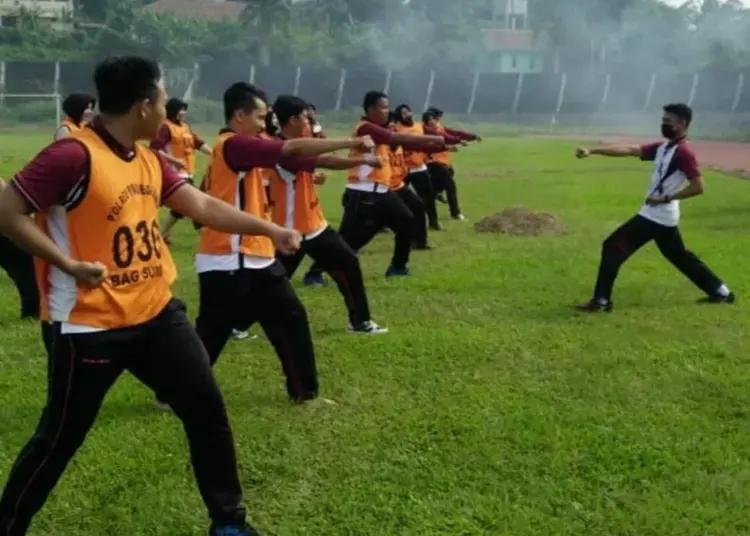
(594, 306)
(234, 530)
(718, 298)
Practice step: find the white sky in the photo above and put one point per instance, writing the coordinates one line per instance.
(680, 2)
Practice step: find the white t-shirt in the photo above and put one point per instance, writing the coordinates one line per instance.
(674, 164)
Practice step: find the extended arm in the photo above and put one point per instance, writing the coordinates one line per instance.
(342, 162)
(317, 146)
(219, 215)
(462, 134)
(613, 151)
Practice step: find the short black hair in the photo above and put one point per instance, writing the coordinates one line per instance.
(681, 111)
(174, 107)
(437, 112)
(371, 99)
(123, 81)
(392, 116)
(75, 104)
(427, 116)
(288, 106)
(242, 96)
(312, 106)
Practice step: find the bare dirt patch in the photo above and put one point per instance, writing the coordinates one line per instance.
(520, 221)
(728, 156)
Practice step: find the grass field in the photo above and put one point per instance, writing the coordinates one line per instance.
(490, 408)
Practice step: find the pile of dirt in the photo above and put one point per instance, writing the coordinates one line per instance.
(520, 221)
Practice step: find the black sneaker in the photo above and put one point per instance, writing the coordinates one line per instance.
(245, 530)
(718, 298)
(594, 306)
(368, 328)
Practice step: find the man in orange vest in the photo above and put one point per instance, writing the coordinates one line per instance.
(440, 165)
(241, 281)
(105, 278)
(295, 205)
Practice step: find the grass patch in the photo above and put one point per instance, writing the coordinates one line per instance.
(490, 409)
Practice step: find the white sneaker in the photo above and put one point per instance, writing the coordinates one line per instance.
(460, 217)
(243, 335)
(368, 328)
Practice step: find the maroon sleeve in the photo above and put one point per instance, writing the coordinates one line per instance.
(462, 135)
(425, 147)
(162, 139)
(447, 138)
(380, 135)
(197, 141)
(295, 163)
(170, 180)
(53, 174)
(687, 162)
(648, 151)
(243, 153)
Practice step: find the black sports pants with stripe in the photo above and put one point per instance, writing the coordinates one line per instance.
(166, 355)
(636, 233)
(365, 213)
(246, 296)
(333, 255)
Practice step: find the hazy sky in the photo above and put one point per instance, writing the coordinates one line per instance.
(680, 2)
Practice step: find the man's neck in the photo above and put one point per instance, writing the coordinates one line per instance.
(119, 130)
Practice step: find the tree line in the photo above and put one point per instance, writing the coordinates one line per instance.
(577, 34)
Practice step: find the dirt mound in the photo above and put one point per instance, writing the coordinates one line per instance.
(520, 221)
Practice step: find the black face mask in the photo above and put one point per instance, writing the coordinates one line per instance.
(667, 131)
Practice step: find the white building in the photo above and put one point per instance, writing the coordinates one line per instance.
(55, 11)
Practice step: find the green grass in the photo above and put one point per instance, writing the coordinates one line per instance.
(490, 409)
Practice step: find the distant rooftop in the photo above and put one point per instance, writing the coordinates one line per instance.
(198, 9)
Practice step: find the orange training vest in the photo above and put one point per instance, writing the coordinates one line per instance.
(413, 159)
(71, 126)
(115, 223)
(445, 157)
(294, 201)
(244, 191)
(182, 145)
(366, 173)
(399, 171)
